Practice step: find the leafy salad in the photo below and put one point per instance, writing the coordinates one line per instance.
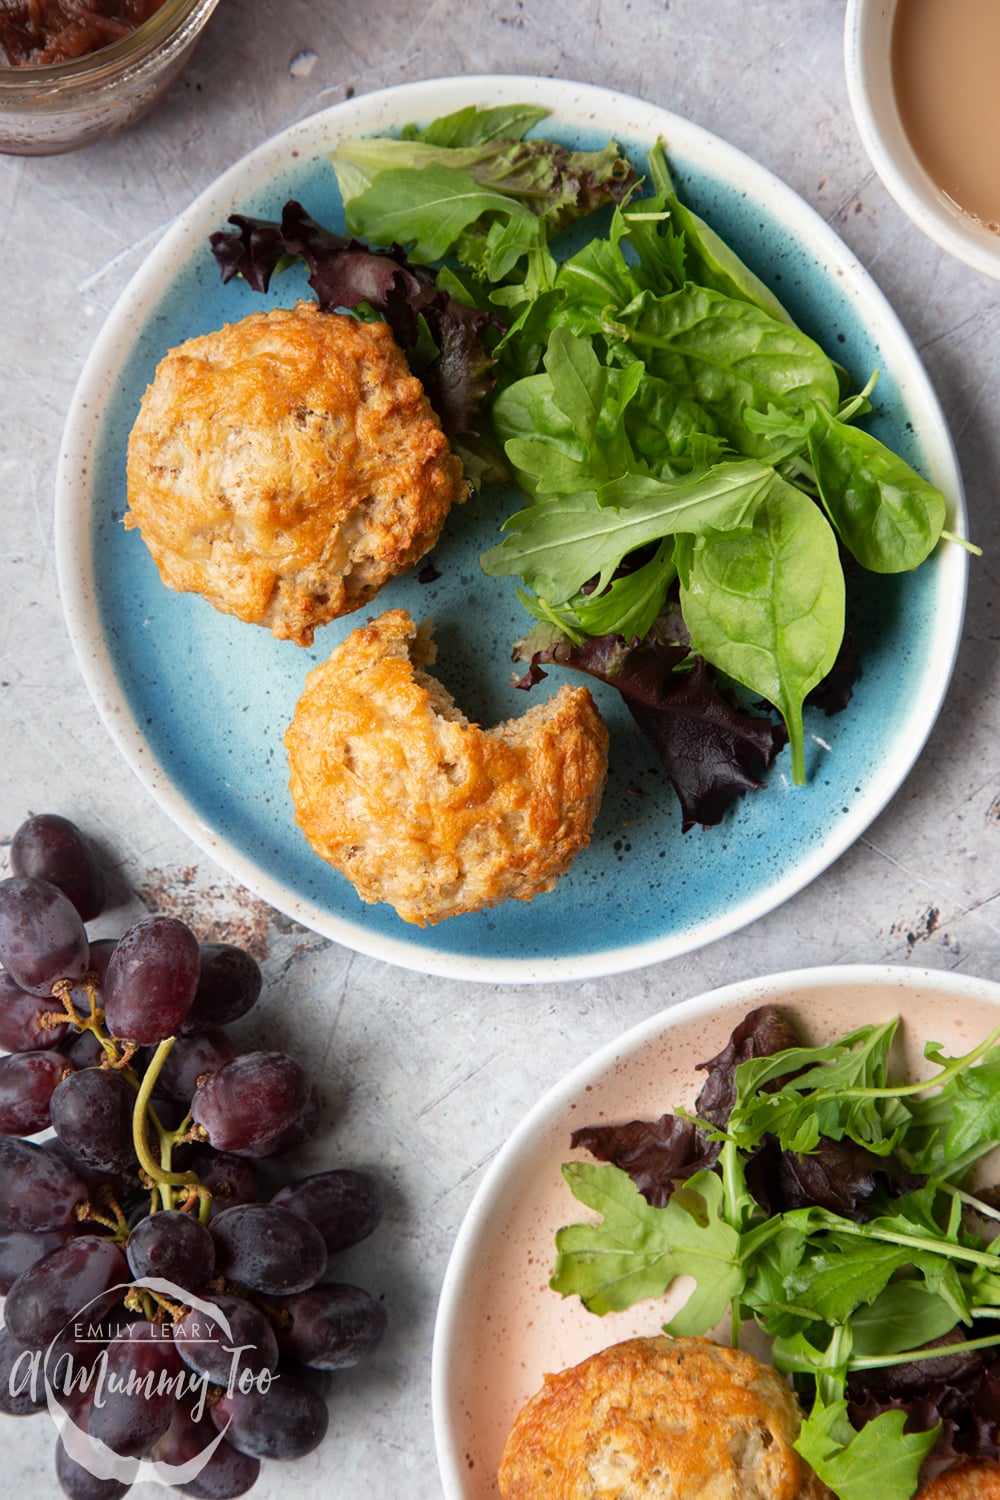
(809, 1191)
(694, 472)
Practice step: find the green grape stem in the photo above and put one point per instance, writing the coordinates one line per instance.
(159, 1173)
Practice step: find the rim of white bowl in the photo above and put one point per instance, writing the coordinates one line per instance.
(903, 175)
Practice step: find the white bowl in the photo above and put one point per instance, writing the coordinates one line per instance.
(499, 1327)
(867, 59)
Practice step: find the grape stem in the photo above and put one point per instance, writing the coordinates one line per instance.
(159, 1173)
(105, 1209)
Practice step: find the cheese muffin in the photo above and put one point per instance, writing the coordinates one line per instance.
(394, 787)
(659, 1419)
(287, 466)
(966, 1481)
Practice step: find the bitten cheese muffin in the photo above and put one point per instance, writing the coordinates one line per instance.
(418, 807)
(287, 466)
(659, 1419)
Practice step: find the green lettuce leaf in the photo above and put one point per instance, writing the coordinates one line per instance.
(637, 1251)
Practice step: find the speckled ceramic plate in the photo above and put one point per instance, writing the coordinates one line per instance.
(198, 702)
(499, 1327)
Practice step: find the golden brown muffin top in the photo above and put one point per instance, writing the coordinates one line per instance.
(287, 466)
(659, 1419)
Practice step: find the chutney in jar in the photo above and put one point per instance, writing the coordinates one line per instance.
(34, 33)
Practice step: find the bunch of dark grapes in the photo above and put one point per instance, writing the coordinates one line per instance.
(150, 1278)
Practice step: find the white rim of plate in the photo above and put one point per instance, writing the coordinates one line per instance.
(380, 110)
(501, 1172)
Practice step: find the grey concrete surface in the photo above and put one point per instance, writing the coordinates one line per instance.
(424, 1078)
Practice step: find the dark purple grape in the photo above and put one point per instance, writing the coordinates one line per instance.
(77, 1280)
(191, 1058)
(101, 950)
(134, 1405)
(38, 1192)
(320, 1381)
(94, 1178)
(18, 1251)
(84, 1050)
(230, 1179)
(78, 1351)
(78, 1483)
(344, 1204)
(332, 1326)
(174, 1246)
(285, 1421)
(21, 1024)
(151, 980)
(52, 848)
(300, 1130)
(222, 1354)
(229, 986)
(27, 1082)
(268, 1248)
(91, 1113)
(22, 1390)
(41, 936)
(224, 1476)
(248, 1105)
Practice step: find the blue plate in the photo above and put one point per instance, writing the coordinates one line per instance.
(198, 702)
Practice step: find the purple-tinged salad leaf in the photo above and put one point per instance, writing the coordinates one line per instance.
(346, 274)
(711, 748)
(468, 178)
(254, 249)
(839, 1175)
(655, 1154)
(761, 1033)
(959, 1395)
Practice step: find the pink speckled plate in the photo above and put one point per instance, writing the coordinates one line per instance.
(499, 1327)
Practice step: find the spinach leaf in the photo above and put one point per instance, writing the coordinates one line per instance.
(885, 513)
(903, 1316)
(766, 605)
(708, 259)
(729, 357)
(560, 544)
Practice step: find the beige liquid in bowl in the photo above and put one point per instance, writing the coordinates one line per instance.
(946, 76)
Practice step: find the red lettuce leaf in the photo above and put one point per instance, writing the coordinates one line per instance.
(839, 1175)
(761, 1033)
(711, 748)
(658, 1154)
(960, 1392)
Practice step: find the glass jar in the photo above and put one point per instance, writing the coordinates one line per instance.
(61, 106)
